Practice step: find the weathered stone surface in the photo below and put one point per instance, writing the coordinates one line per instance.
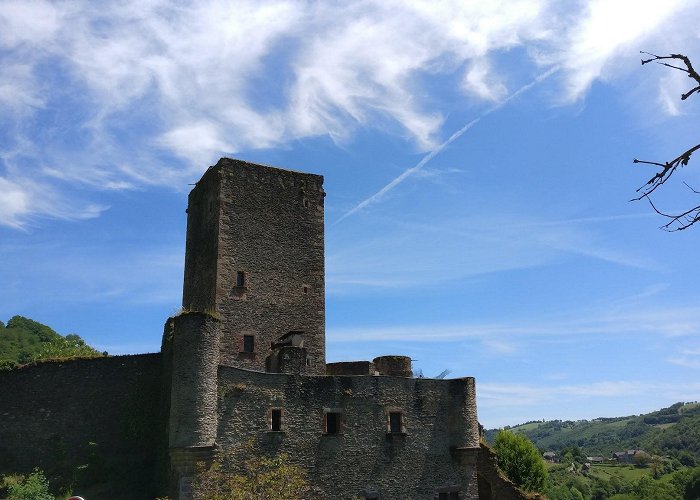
(266, 223)
(396, 366)
(351, 368)
(365, 456)
(253, 267)
(50, 414)
(193, 394)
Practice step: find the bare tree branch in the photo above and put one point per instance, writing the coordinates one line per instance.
(678, 222)
(688, 69)
(686, 219)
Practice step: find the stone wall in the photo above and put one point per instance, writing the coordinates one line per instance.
(102, 413)
(193, 394)
(438, 418)
(201, 247)
(270, 228)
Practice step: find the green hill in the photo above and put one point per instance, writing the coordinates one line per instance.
(673, 431)
(24, 341)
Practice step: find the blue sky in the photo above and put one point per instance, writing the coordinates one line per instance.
(477, 158)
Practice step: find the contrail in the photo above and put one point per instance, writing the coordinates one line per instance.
(432, 154)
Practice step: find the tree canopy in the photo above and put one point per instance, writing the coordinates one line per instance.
(24, 341)
(518, 458)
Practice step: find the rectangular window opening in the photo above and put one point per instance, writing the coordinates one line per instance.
(240, 279)
(334, 422)
(248, 343)
(276, 419)
(448, 495)
(395, 422)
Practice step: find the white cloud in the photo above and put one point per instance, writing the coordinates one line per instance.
(22, 199)
(133, 80)
(18, 92)
(480, 81)
(668, 322)
(495, 243)
(28, 21)
(511, 403)
(518, 395)
(14, 203)
(605, 30)
(687, 357)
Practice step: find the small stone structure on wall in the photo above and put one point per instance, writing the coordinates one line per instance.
(242, 368)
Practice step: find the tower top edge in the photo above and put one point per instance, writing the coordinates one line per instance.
(226, 162)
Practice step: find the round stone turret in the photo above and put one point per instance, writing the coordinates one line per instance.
(193, 396)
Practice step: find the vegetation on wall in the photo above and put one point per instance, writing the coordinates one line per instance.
(260, 478)
(34, 486)
(24, 341)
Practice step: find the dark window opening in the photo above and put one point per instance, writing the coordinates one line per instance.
(248, 343)
(306, 289)
(305, 202)
(276, 419)
(448, 495)
(240, 279)
(334, 422)
(395, 422)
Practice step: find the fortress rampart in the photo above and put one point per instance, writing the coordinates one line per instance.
(242, 370)
(101, 414)
(366, 455)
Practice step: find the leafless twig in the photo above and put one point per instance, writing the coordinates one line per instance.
(686, 219)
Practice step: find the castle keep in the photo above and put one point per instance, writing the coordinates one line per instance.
(242, 368)
(254, 255)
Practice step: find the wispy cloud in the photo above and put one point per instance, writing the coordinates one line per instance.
(24, 198)
(665, 322)
(507, 394)
(604, 31)
(511, 404)
(142, 93)
(376, 197)
(495, 243)
(128, 274)
(687, 357)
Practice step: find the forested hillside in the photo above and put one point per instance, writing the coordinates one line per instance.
(24, 341)
(673, 431)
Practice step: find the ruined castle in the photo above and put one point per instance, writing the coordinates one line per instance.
(244, 362)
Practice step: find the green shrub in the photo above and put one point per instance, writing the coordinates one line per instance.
(518, 458)
(32, 487)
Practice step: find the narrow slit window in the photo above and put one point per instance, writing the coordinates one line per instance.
(276, 419)
(334, 422)
(395, 422)
(240, 279)
(248, 343)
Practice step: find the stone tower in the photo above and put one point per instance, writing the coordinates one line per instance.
(254, 258)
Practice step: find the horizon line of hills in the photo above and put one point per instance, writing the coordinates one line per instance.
(672, 431)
